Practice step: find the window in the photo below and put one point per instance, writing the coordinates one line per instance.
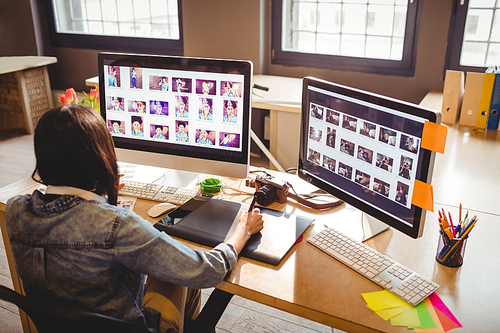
(140, 26)
(360, 35)
(474, 35)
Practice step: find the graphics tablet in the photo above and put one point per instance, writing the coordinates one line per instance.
(210, 221)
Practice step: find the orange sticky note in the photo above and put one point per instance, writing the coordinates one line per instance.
(422, 195)
(446, 322)
(434, 137)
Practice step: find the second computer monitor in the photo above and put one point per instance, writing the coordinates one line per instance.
(366, 150)
(182, 113)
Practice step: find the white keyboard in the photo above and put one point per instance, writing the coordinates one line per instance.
(375, 266)
(148, 191)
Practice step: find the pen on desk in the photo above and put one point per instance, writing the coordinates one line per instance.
(252, 205)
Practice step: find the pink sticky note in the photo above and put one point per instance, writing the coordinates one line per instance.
(438, 304)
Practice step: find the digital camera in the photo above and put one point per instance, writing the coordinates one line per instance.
(269, 189)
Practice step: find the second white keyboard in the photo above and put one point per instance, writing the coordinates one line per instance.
(375, 266)
(162, 193)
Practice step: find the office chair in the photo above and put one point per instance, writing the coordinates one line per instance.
(52, 318)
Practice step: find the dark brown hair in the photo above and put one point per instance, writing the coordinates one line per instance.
(74, 148)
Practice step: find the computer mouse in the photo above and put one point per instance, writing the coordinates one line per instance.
(161, 208)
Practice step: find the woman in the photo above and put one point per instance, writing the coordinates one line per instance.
(75, 248)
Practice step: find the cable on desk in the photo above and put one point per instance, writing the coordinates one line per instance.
(241, 192)
(313, 205)
(157, 179)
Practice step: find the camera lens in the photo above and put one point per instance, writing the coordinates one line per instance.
(266, 195)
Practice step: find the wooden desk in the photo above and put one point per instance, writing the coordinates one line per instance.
(25, 93)
(312, 285)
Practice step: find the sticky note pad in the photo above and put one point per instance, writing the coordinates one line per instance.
(408, 318)
(445, 321)
(389, 313)
(434, 137)
(434, 316)
(423, 196)
(380, 300)
(425, 317)
(439, 305)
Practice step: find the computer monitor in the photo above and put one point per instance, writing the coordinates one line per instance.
(366, 150)
(181, 113)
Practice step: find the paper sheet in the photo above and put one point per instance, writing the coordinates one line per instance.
(426, 320)
(430, 316)
(408, 318)
(387, 314)
(438, 328)
(438, 304)
(434, 137)
(422, 195)
(380, 300)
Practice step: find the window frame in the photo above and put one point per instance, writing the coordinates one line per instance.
(115, 43)
(456, 37)
(404, 67)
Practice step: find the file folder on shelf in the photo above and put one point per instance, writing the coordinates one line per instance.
(453, 94)
(484, 104)
(494, 105)
(472, 97)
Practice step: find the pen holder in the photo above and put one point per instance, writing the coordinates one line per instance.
(450, 253)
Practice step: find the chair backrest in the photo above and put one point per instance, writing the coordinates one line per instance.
(54, 318)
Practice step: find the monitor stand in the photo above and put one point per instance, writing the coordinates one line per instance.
(371, 226)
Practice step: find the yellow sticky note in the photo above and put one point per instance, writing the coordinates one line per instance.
(380, 300)
(387, 314)
(434, 137)
(423, 196)
(407, 318)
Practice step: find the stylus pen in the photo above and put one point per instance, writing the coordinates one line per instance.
(252, 205)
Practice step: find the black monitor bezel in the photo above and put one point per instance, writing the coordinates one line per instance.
(241, 67)
(427, 156)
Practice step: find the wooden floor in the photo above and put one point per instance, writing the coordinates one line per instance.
(17, 161)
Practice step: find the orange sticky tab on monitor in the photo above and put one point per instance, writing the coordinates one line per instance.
(422, 195)
(434, 137)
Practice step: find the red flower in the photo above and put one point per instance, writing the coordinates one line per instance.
(92, 99)
(92, 94)
(71, 96)
(62, 99)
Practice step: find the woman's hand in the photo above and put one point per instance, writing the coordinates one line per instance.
(254, 221)
(248, 224)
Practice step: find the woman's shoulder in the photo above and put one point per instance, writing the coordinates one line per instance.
(19, 202)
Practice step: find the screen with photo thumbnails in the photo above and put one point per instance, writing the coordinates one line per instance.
(365, 149)
(182, 106)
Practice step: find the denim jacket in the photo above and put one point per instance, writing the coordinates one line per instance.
(93, 256)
